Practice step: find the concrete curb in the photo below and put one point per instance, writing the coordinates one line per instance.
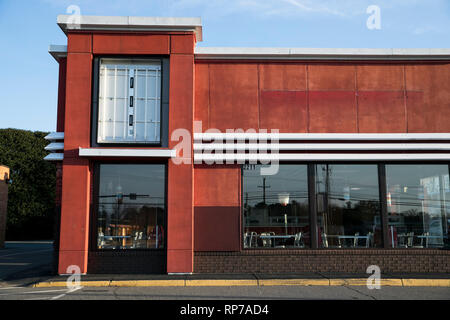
(256, 282)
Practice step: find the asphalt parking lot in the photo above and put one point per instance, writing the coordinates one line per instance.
(226, 293)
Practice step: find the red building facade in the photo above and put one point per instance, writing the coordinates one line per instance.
(156, 167)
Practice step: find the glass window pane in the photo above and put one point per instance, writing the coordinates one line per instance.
(275, 207)
(131, 207)
(348, 206)
(418, 205)
(118, 101)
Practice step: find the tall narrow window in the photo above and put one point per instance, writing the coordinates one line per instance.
(418, 198)
(129, 101)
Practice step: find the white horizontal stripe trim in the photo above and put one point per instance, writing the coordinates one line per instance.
(321, 156)
(54, 157)
(152, 153)
(321, 146)
(321, 136)
(55, 136)
(54, 146)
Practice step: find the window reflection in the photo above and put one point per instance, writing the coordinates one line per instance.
(276, 207)
(348, 206)
(131, 207)
(417, 203)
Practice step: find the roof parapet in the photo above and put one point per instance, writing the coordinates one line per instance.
(128, 23)
(320, 53)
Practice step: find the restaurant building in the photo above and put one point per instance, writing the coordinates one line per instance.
(176, 158)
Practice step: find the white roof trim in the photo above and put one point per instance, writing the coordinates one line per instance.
(127, 23)
(57, 51)
(321, 53)
(322, 136)
(107, 152)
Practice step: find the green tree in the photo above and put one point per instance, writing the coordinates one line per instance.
(31, 196)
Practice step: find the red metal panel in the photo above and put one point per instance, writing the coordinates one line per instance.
(74, 232)
(79, 42)
(233, 96)
(131, 44)
(331, 77)
(381, 111)
(428, 97)
(217, 185)
(61, 95)
(182, 43)
(380, 77)
(217, 229)
(78, 101)
(180, 176)
(282, 76)
(201, 112)
(332, 111)
(76, 178)
(284, 110)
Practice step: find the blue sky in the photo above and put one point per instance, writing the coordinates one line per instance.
(29, 75)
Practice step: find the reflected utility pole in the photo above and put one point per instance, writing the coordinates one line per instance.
(264, 187)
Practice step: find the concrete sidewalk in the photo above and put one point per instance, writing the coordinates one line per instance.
(30, 264)
(218, 280)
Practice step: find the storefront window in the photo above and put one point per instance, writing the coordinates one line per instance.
(348, 206)
(418, 205)
(131, 206)
(275, 207)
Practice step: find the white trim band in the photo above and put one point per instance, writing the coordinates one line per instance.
(321, 146)
(322, 156)
(208, 136)
(138, 153)
(230, 53)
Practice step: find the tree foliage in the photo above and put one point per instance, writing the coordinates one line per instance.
(31, 196)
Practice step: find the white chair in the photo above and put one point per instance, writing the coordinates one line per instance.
(298, 240)
(101, 240)
(369, 239)
(423, 241)
(267, 242)
(410, 242)
(355, 240)
(324, 240)
(253, 239)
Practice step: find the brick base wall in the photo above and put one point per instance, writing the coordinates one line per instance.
(128, 261)
(351, 261)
